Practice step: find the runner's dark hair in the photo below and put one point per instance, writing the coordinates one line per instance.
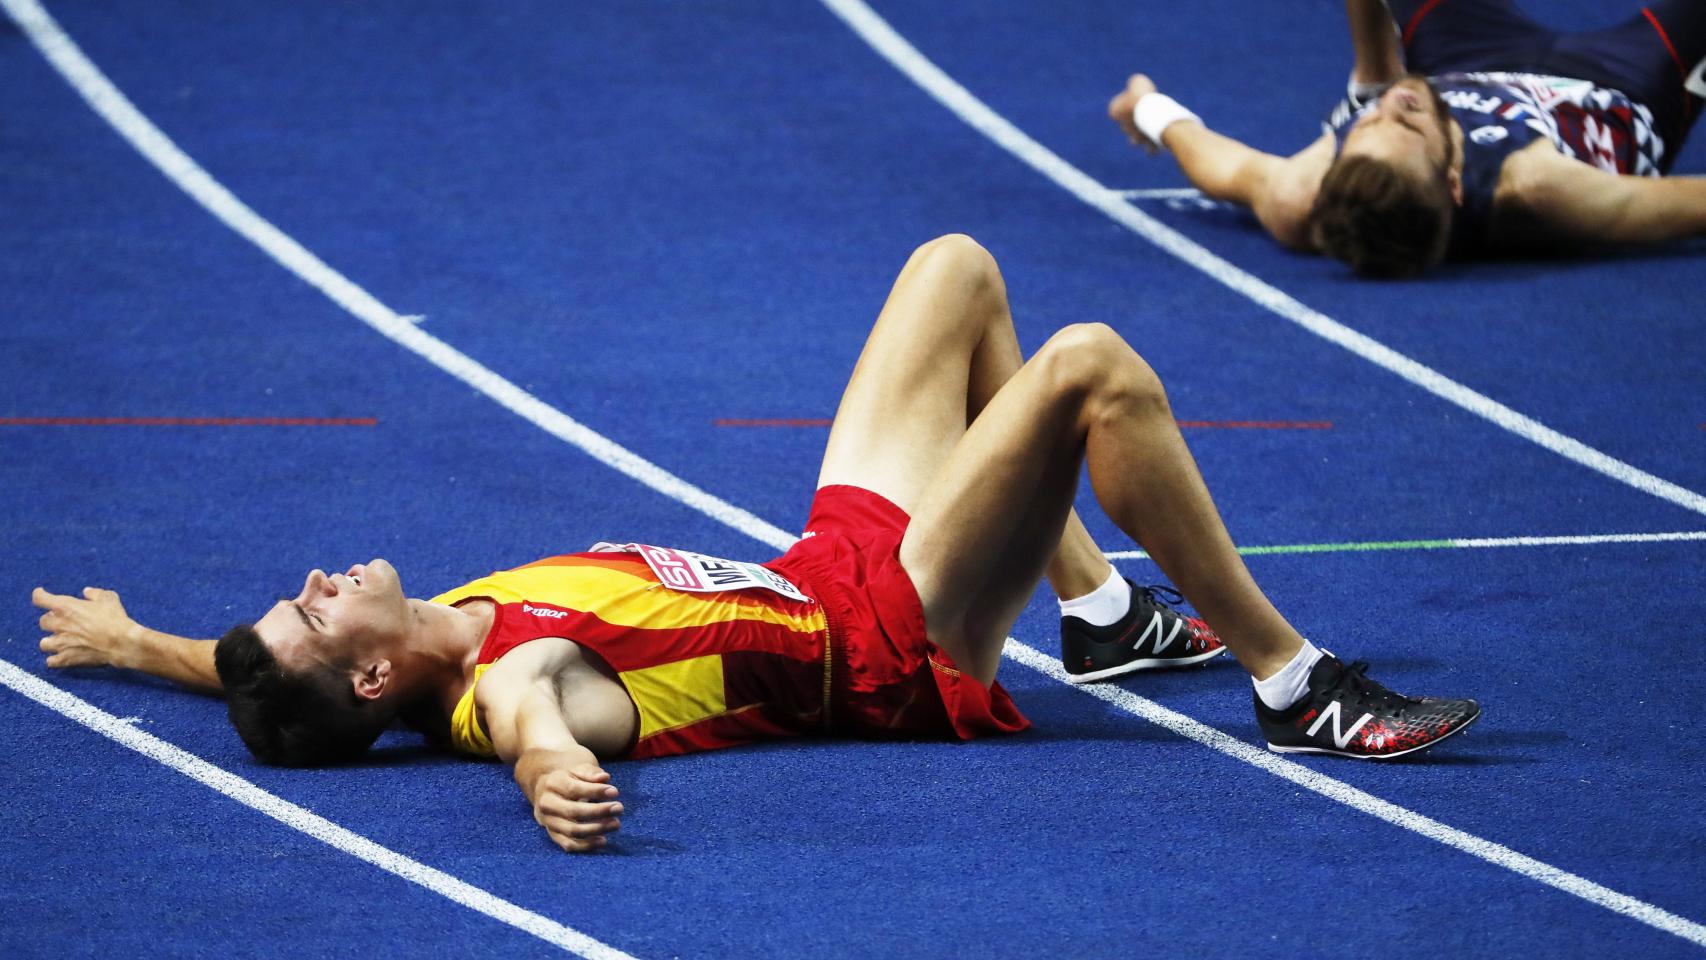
(1381, 222)
(1385, 224)
(290, 719)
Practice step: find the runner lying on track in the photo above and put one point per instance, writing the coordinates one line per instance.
(1505, 137)
(887, 618)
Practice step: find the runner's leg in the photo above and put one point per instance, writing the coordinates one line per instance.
(941, 348)
(991, 516)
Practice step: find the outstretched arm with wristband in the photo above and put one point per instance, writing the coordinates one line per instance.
(1280, 190)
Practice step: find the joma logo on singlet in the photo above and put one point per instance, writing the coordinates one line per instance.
(542, 612)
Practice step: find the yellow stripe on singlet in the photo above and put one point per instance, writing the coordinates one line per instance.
(625, 599)
(676, 694)
(466, 734)
(668, 696)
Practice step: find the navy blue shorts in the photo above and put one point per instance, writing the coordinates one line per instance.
(1651, 57)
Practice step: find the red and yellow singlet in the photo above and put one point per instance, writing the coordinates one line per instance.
(705, 670)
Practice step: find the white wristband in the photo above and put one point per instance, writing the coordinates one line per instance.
(1361, 93)
(1155, 112)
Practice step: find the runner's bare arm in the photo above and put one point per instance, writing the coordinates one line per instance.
(1379, 57)
(1553, 194)
(96, 632)
(571, 794)
(1279, 190)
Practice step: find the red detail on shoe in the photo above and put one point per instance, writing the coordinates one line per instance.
(1303, 721)
(1201, 637)
(1400, 734)
(1375, 737)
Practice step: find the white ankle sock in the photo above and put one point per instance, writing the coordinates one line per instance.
(1292, 681)
(1104, 605)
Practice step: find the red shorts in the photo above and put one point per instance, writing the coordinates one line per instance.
(887, 680)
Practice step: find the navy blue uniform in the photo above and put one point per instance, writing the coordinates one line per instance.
(1621, 99)
(1501, 113)
(1657, 58)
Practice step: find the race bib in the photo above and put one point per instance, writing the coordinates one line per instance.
(696, 573)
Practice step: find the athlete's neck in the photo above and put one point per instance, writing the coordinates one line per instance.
(444, 643)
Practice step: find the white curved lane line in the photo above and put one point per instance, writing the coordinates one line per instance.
(114, 107)
(905, 57)
(147, 139)
(303, 820)
(1306, 777)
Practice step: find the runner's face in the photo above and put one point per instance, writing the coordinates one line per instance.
(1409, 128)
(338, 618)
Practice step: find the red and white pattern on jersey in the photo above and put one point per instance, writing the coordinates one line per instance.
(1595, 125)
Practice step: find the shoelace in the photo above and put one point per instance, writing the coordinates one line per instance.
(1354, 680)
(1161, 595)
(1165, 597)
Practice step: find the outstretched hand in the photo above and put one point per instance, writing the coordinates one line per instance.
(577, 807)
(1124, 102)
(91, 632)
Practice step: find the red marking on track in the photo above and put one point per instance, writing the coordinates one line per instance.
(774, 422)
(1183, 424)
(1257, 424)
(188, 422)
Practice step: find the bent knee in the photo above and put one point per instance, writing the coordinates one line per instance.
(957, 255)
(1092, 361)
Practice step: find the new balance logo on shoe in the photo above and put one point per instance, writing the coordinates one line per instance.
(1340, 737)
(1151, 636)
(1387, 724)
(1158, 627)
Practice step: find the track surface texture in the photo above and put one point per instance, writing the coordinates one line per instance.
(573, 233)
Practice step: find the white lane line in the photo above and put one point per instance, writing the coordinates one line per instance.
(905, 57)
(302, 820)
(1377, 546)
(1161, 193)
(1589, 539)
(1494, 853)
(148, 140)
(113, 106)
